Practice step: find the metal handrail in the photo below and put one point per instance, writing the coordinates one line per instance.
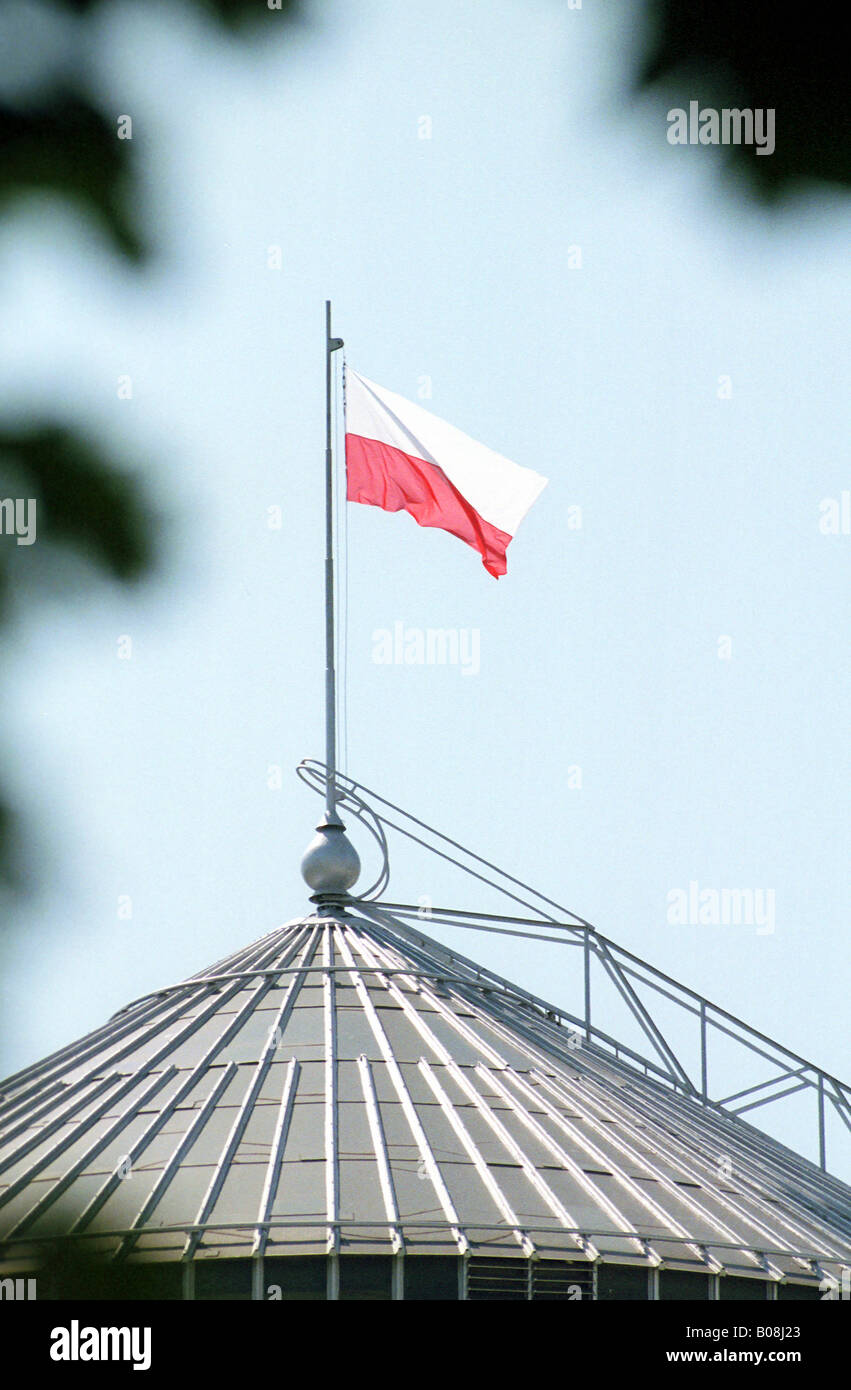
(622, 966)
(342, 1224)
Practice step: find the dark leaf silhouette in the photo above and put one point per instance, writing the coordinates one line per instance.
(57, 140)
(760, 55)
(64, 146)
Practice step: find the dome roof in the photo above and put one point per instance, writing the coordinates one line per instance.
(346, 1084)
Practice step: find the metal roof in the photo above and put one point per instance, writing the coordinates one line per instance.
(348, 1084)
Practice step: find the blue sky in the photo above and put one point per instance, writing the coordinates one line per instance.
(448, 258)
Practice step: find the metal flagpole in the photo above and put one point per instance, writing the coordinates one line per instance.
(330, 864)
(331, 346)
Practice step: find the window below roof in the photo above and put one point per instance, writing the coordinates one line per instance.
(622, 1283)
(731, 1287)
(153, 1281)
(497, 1280)
(366, 1277)
(289, 1277)
(507, 1280)
(563, 1280)
(223, 1279)
(683, 1284)
(431, 1277)
(797, 1292)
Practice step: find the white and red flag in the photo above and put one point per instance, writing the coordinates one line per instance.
(402, 458)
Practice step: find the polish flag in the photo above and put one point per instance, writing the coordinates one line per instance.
(402, 458)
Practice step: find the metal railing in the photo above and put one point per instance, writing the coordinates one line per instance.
(628, 973)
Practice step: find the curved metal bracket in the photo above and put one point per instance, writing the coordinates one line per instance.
(313, 773)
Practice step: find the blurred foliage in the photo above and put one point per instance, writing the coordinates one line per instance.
(67, 147)
(71, 1271)
(753, 54)
(70, 1267)
(57, 138)
(82, 501)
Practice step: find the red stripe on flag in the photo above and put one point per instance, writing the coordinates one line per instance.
(380, 475)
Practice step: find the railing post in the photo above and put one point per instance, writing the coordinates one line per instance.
(587, 951)
(822, 1147)
(704, 1064)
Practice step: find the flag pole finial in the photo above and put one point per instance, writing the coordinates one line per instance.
(330, 864)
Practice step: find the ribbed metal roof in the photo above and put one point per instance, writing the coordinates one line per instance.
(348, 1084)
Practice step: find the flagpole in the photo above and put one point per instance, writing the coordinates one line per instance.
(330, 864)
(331, 346)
